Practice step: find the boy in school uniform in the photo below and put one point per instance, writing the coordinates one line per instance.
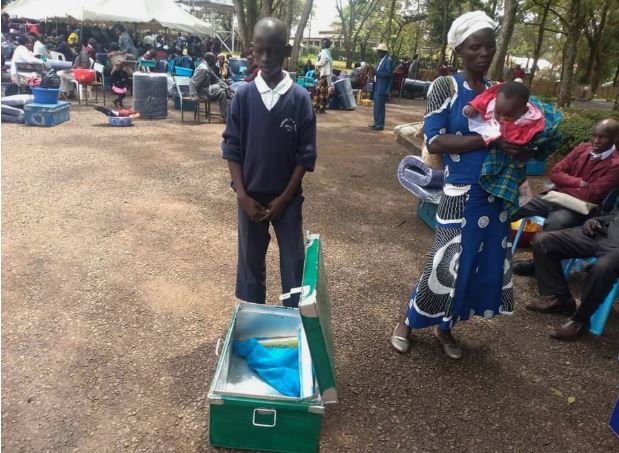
(269, 143)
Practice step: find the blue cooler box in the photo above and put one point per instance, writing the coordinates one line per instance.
(535, 167)
(46, 115)
(427, 212)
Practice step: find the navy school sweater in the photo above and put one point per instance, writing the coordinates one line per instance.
(269, 144)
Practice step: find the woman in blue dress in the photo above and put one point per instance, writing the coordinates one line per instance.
(468, 271)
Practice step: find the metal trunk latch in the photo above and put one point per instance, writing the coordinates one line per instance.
(263, 413)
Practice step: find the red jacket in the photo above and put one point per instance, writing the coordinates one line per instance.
(601, 175)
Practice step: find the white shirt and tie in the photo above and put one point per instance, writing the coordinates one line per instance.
(603, 156)
(271, 96)
(380, 64)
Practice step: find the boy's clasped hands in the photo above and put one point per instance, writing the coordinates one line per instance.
(258, 213)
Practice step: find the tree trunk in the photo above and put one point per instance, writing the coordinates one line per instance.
(493, 7)
(298, 37)
(540, 40)
(387, 32)
(594, 71)
(507, 30)
(267, 8)
(445, 31)
(616, 78)
(244, 33)
(252, 16)
(575, 24)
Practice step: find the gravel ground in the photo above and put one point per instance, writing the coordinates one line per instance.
(119, 249)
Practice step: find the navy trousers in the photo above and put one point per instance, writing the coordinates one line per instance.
(379, 109)
(254, 241)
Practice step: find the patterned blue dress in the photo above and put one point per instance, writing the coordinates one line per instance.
(468, 270)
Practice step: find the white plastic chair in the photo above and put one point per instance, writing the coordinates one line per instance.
(56, 55)
(83, 89)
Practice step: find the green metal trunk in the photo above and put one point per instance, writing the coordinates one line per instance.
(247, 413)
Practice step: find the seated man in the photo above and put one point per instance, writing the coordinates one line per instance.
(598, 237)
(589, 172)
(205, 84)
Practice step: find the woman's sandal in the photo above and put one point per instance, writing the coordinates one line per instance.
(451, 348)
(400, 344)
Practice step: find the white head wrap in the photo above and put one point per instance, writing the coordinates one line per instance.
(467, 24)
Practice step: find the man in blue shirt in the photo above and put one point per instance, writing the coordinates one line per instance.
(269, 143)
(382, 86)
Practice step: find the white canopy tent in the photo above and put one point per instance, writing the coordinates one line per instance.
(44, 9)
(164, 12)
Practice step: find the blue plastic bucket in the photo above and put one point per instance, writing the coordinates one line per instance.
(185, 72)
(46, 95)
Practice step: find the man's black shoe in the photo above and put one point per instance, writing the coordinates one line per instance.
(524, 268)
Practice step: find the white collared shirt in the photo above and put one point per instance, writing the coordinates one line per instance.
(378, 66)
(605, 155)
(271, 96)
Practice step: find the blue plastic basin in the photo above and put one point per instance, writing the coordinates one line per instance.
(46, 95)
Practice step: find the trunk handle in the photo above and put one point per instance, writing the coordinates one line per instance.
(264, 412)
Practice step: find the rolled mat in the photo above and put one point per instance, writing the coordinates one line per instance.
(7, 110)
(59, 65)
(422, 175)
(411, 173)
(19, 119)
(16, 100)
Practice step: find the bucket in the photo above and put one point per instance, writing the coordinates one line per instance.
(185, 72)
(46, 95)
(84, 75)
(343, 89)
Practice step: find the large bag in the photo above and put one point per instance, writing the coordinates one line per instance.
(567, 201)
(50, 80)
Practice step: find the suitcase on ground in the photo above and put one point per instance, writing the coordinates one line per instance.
(245, 412)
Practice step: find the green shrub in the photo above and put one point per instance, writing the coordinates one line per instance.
(576, 127)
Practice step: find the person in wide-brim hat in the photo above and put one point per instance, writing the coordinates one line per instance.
(382, 85)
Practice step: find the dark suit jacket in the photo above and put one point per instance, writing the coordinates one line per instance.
(384, 75)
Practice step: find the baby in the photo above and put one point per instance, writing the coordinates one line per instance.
(504, 111)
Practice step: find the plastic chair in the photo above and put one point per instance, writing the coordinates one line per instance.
(21, 81)
(146, 65)
(536, 219)
(182, 87)
(600, 317)
(56, 55)
(95, 85)
(309, 80)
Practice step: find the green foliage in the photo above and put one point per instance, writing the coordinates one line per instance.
(577, 125)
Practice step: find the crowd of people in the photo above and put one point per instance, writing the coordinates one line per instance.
(112, 46)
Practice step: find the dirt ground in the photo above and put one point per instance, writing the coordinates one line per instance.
(118, 268)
